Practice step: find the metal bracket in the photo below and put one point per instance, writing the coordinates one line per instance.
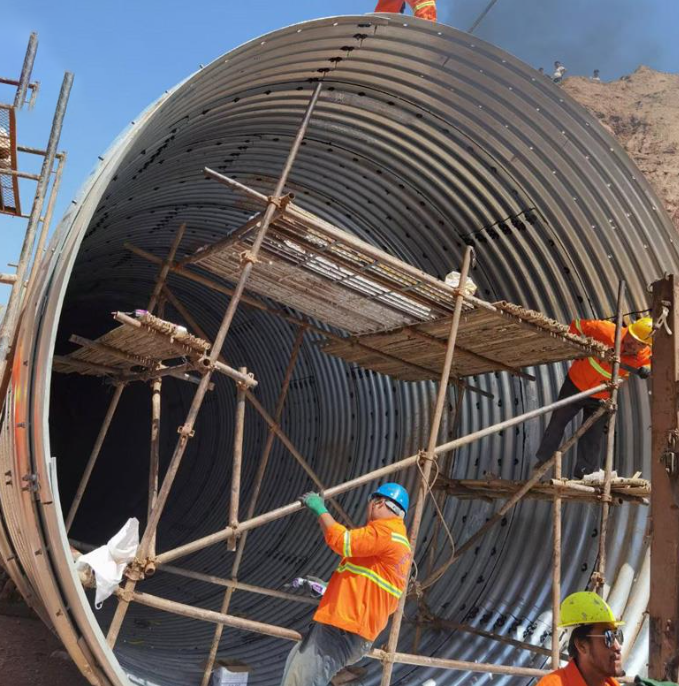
(189, 433)
(32, 483)
(670, 457)
(661, 321)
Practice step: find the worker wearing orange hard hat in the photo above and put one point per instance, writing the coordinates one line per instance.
(589, 372)
(363, 591)
(595, 643)
(424, 9)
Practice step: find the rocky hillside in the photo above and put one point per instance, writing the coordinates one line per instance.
(642, 112)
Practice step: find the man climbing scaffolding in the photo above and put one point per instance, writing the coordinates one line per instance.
(424, 9)
(362, 592)
(588, 373)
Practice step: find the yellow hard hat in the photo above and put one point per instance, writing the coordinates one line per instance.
(586, 607)
(642, 330)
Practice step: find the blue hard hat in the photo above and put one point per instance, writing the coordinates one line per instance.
(394, 492)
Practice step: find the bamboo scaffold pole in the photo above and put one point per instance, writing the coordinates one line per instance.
(154, 463)
(376, 474)
(84, 479)
(424, 487)
(556, 566)
(239, 426)
(599, 576)
(186, 431)
(259, 479)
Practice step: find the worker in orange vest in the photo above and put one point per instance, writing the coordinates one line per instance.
(424, 9)
(587, 373)
(363, 591)
(594, 646)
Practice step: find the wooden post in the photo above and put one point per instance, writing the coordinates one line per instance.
(259, 478)
(556, 567)
(599, 576)
(186, 431)
(94, 455)
(663, 607)
(237, 459)
(423, 488)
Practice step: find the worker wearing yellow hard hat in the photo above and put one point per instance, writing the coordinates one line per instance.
(595, 643)
(587, 373)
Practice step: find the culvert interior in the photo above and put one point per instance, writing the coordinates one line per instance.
(425, 140)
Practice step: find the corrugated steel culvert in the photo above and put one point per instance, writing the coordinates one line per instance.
(425, 139)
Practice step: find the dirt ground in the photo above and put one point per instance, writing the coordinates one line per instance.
(30, 655)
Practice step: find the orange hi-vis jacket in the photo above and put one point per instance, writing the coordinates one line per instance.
(371, 577)
(425, 9)
(591, 371)
(569, 676)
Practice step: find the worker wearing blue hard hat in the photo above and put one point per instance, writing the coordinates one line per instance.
(363, 591)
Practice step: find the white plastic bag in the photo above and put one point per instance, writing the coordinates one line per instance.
(109, 561)
(224, 677)
(453, 279)
(598, 477)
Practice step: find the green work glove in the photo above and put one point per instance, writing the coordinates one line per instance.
(314, 502)
(652, 682)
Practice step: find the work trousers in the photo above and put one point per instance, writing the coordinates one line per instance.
(590, 443)
(425, 9)
(323, 652)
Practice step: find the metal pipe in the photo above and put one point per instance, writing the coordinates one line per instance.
(556, 566)
(26, 71)
(165, 269)
(424, 486)
(599, 577)
(237, 459)
(9, 322)
(94, 455)
(154, 462)
(256, 488)
(376, 474)
(47, 219)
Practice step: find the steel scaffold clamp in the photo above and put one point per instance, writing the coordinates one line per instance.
(669, 457)
(247, 258)
(184, 432)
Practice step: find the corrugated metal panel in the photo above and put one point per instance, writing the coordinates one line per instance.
(425, 139)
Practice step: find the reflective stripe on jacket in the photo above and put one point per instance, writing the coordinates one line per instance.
(569, 676)
(371, 577)
(592, 371)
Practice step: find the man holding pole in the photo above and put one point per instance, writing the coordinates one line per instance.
(587, 373)
(363, 591)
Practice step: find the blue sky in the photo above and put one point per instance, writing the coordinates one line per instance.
(125, 54)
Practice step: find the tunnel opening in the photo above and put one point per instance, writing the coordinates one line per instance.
(419, 151)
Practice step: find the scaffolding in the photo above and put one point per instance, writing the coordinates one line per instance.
(47, 182)
(396, 320)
